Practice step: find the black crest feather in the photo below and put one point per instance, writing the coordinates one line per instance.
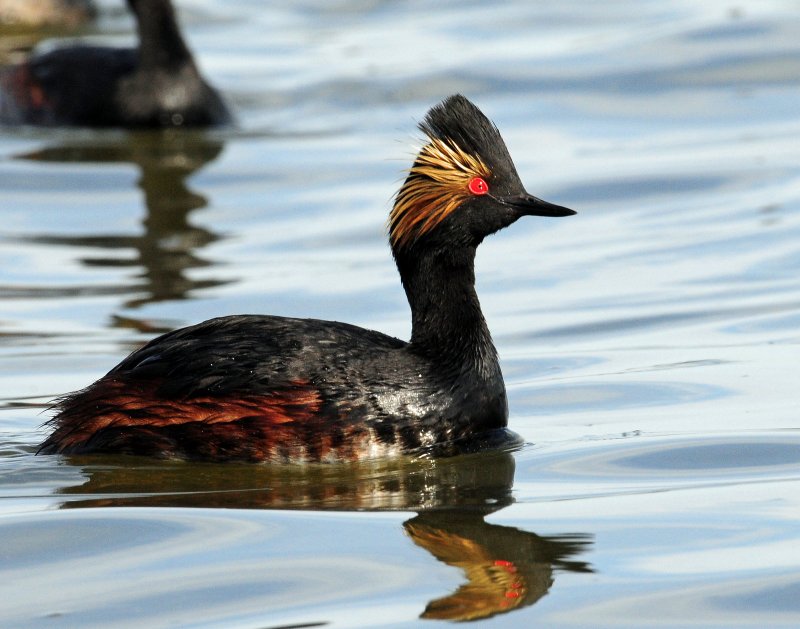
(456, 118)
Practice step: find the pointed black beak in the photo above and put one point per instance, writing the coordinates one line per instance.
(529, 205)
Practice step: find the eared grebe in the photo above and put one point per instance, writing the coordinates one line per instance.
(262, 388)
(154, 85)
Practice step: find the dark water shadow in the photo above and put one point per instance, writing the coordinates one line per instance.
(170, 242)
(504, 568)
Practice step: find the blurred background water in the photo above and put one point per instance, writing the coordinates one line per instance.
(649, 344)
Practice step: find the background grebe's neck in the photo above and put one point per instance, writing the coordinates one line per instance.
(447, 325)
(160, 42)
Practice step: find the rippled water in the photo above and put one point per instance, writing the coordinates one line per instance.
(649, 344)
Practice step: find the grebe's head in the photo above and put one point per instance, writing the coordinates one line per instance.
(463, 185)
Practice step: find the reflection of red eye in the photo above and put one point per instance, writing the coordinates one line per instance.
(478, 186)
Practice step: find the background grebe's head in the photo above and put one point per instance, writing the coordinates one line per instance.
(463, 185)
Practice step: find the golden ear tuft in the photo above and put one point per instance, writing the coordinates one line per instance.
(437, 184)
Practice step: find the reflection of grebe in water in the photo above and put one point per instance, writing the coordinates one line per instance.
(504, 568)
(170, 242)
(265, 388)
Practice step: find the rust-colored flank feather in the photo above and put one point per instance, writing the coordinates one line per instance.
(122, 416)
(436, 185)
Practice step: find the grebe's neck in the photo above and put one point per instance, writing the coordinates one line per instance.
(161, 44)
(447, 325)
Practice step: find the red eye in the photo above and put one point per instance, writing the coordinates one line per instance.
(478, 186)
